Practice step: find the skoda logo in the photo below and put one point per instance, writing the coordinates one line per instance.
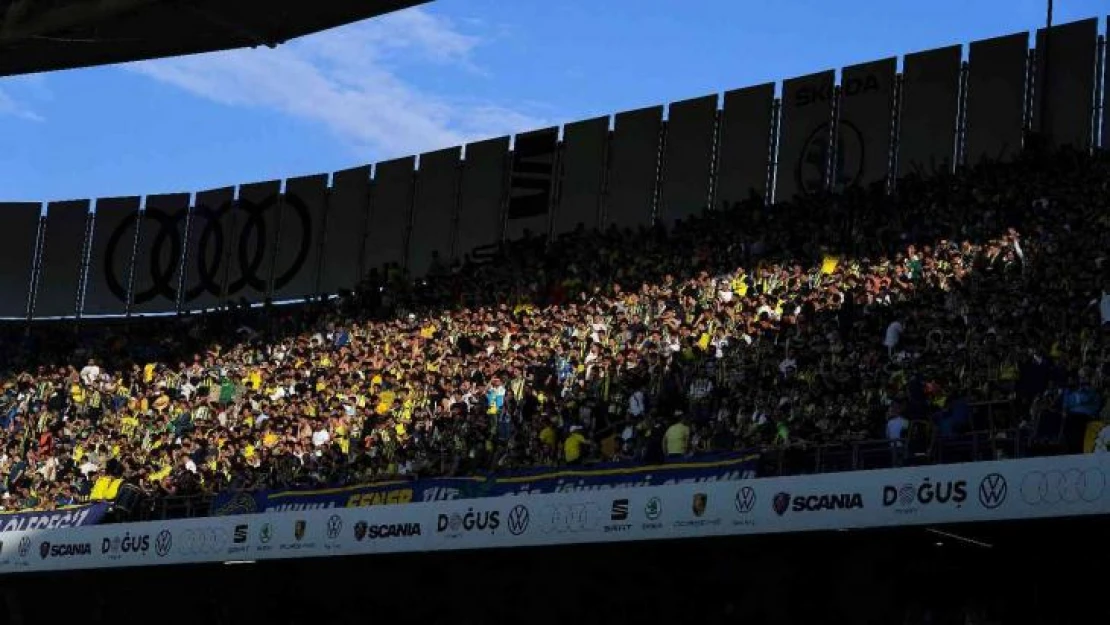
(992, 491)
(745, 500)
(518, 520)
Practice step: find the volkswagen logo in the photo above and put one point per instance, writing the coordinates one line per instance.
(163, 543)
(518, 520)
(745, 500)
(1068, 486)
(335, 526)
(203, 541)
(993, 490)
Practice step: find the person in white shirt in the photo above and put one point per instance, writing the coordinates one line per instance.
(636, 404)
(893, 336)
(896, 427)
(90, 373)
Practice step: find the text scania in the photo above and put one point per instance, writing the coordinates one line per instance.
(75, 549)
(814, 503)
(396, 530)
(908, 497)
(469, 521)
(118, 545)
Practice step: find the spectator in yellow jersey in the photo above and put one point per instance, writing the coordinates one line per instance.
(676, 440)
(575, 446)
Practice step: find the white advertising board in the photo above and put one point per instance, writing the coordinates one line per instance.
(985, 491)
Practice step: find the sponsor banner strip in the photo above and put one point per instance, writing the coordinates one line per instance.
(989, 491)
(717, 467)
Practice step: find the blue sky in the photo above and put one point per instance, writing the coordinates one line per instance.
(440, 75)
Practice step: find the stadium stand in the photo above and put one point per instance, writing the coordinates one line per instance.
(900, 268)
(576, 299)
(961, 303)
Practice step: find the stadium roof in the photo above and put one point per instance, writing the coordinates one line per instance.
(46, 35)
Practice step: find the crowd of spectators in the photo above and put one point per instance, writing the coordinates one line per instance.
(848, 316)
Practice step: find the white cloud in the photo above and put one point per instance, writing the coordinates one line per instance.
(348, 81)
(9, 106)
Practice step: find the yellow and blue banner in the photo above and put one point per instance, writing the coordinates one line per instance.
(708, 468)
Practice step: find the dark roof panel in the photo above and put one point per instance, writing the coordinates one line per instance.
(37, 36)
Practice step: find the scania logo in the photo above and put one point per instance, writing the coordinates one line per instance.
(993, 490)
(335, 526)
(518, 520)
(24, 546)
(816, 503)
(53, 550)
(1069, 486)
(363, 530)
(745, 500)
(780, 503)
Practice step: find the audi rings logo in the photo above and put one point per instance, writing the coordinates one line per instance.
(569, 518)
(519, 518)
(240, 227)
(202, 541)
(993, 490)
(1069, 486)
